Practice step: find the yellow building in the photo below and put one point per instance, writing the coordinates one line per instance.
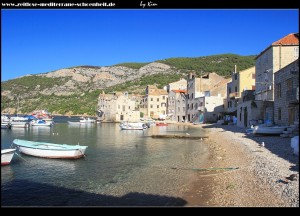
(154, 103)
(240, 81)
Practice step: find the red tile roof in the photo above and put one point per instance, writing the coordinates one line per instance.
(291, 39)
(180, 91)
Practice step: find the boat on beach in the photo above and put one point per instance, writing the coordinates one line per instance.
(6, 156)
(275, 130)
(50, 150)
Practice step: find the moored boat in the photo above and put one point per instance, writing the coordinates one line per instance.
(19, 122)
(87, 120)
(50, 150)
(6, 156)
(133, 126)
(41, 123)
(161, 124)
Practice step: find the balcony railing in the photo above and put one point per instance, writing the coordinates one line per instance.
(292, 96)
(234, 94)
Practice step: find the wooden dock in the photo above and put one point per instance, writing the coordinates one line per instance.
(176, 136)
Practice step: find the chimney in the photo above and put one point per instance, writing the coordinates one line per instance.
(234, 68)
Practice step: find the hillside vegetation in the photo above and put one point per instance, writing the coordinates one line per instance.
(221, 64)
(75, 90)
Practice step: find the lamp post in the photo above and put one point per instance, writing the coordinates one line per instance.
(266, 82)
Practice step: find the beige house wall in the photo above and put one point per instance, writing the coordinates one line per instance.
(118, 107)
(250, 112)
(157, 105)
(240, 81)
(272, 60)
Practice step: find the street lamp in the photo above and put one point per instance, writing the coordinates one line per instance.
(267, 81)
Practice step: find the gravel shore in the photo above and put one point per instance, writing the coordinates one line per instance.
(260, 179)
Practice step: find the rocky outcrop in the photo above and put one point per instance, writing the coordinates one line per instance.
(89, 78)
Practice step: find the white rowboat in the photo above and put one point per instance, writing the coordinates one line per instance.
(6, 156)
(50, 150)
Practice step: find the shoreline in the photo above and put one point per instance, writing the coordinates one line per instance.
(260, 179)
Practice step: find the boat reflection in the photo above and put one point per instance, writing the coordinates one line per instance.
(7, 174)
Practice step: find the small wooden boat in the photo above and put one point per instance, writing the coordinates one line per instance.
(41, 123)
(133, 126)
(161, 124)
(6, 156)
(50, 150)
(276, 130)
(87, 120)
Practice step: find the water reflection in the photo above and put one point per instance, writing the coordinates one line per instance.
(117, 162)
(7, 174)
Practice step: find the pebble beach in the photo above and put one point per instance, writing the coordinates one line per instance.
(246, 174)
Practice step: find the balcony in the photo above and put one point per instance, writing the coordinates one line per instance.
(233, 95)
(292, 96)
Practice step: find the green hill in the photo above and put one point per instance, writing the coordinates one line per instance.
(221, 64)
(76, 93)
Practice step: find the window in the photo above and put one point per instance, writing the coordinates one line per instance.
(278, 90)
(157, 99)
(279, 113)
(151, 106)
(178, 109)
(192, 106)
(229, 90)
(192, 95)
(123, 108)
(151, 99)
(164, 97)
(289, 84)
(157, 106)
(235, 76)
(235, 89)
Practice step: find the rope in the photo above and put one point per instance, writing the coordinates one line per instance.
(21, 157)
(82, 154)
(207, 169)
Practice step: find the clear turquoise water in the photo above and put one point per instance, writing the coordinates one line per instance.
(121, 168)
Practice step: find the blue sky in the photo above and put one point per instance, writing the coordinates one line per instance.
(39, 41)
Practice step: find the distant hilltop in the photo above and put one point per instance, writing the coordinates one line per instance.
(75, 90)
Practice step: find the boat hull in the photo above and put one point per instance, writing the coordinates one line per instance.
(133, 126)
(268, 130)
(70, 154)
(19, 124)
(6, 156)
(50, 150)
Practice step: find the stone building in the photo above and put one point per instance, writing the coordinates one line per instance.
(154, 103)
(176, 105)
(275, 57)
(206, 85)
(118, 107)
(286, 102)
